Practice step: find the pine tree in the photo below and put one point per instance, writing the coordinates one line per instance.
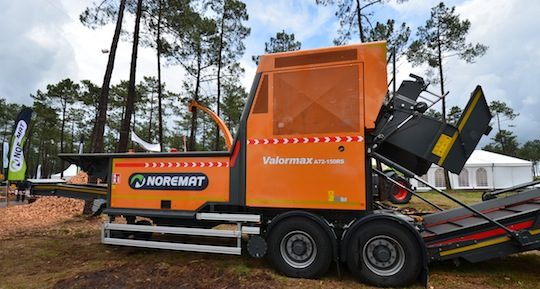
(230, 46)
(282, 42)
(443, 35)
(130, 101)
(355, 18)
(99, 16)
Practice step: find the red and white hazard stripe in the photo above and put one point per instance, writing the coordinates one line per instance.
(186, 164)
(176, 164)
(303, 140)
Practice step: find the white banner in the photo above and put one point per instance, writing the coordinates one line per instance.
(147, 146)
(5, 153)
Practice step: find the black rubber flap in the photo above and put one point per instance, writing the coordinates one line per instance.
(418, 142)
(474, 122)
(412, 143)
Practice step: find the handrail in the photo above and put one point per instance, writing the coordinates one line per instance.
(221, 124)
(492, 195)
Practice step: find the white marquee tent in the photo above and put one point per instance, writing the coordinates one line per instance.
(483, 171)
(71, 171)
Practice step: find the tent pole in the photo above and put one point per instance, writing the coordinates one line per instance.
(493, 175)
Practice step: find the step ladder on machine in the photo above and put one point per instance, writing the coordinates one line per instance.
(245, 224)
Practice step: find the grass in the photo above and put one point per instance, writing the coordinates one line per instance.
(54, 259)
(70, 255)
(468, 197)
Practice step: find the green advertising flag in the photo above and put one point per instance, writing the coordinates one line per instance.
(17, 163)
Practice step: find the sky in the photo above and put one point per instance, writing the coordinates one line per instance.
(43, 42)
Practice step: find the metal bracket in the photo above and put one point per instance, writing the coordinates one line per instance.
(524, 238)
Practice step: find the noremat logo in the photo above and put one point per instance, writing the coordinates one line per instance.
(175, 182)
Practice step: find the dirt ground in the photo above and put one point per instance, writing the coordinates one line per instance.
(64, 251)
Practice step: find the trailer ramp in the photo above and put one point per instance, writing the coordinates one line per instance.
(76, 191)
(458, 233)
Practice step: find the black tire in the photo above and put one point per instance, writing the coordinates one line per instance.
(385, 254)
(300, 248)
(398, 195)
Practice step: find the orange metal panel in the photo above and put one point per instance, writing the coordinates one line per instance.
(372, 55)
(308, 150)
(311, 175)
(187, 182)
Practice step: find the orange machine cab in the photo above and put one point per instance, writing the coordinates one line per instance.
(306, 127)
(301, 141)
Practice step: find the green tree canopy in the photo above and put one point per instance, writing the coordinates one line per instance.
(282, 42)
(443, 35)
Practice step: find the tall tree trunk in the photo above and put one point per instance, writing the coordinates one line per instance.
(193, 128)
(220, 52)
(441, 78)
(160, 112)
(359, 16)
(93, 133)
(150, 118)
(62, 128)
(130, 102)
(99, 126)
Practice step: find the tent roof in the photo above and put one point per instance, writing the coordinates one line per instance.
(69, 172)
(480, 157)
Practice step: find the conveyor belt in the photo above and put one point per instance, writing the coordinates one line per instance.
(458, 233)
(79, 191)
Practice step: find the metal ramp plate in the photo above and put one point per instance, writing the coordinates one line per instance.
(76, 191)
(453, 221)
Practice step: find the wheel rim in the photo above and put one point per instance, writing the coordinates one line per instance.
(401, 193)
(383, 255)
(298, 249)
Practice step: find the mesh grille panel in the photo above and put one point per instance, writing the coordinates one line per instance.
(324, 100)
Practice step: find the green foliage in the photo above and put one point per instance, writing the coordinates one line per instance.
(281, 43)
(231, 31)
(531, 151)
(60, 97)
(233, 103)
(454, 115)
(502, 112)
(443, 34)
(434, 114)
(8, 113)
(99, 15)
(504, 142)
(230, 45)
(396, 38)
(355, 19)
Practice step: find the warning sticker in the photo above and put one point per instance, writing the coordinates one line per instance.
(441, 147)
